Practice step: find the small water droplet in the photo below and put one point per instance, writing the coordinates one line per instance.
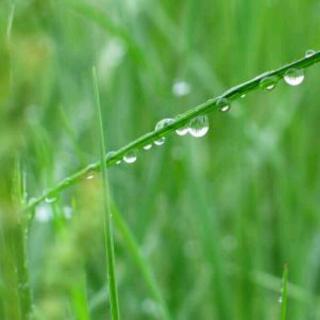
(160, 141)
(51, 199)
(160, 125)
(130, 157)
(243, 96)
(90, 176)
(310, 53)
(199, 126)
(280, 300)
(182, 131)
(268, 83)
(110, 154)
(181, 88)
(223, 104)
(294, 77)
(147, 146)
(118, 162)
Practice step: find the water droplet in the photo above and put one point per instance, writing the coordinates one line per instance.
(118, 162)
(199, 126)
(280, 300)
(243, 96)
(310, 53)
(223, 104)
(90, 172)
(110, 154)
(130, 157)
(160, 125)
(181, 88)
(294, 77)
(160, 141)
(90, 176)
(268, 83)
(147, 146)
(51, 199)
(182, 131)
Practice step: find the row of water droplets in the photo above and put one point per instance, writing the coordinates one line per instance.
(293, 77)
(199, 126)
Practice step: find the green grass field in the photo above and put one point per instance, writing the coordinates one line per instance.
(203, 228)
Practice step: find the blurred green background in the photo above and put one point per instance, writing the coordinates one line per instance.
(216, 219)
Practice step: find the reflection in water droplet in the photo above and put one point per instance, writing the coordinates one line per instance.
(147, 146)
(130, 157)
(160, 125)
(294, 77)
(310, 53)
(199, 126)
(268, 83)
(181, 88)
(223, 104)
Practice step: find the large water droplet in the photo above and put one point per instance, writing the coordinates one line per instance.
(223, 104)
(130, 157)
(147, 147)
(181, 88)
(294, 77)
(310, 53)
(160, 125)
(268, 83)
(199, 126)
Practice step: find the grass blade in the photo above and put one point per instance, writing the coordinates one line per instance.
(108, 229)
(284, 293)
(140, 261)
(180, 120)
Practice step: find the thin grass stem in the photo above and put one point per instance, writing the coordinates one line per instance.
(108, 228)
(179, 121)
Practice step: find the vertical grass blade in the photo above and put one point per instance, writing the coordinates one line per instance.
(108, 229)
(141, 262)
(284, 293)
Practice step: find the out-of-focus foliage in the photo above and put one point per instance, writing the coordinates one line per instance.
(216, 218)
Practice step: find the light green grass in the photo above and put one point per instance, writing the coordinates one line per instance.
(204, 226)
(107, 212)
